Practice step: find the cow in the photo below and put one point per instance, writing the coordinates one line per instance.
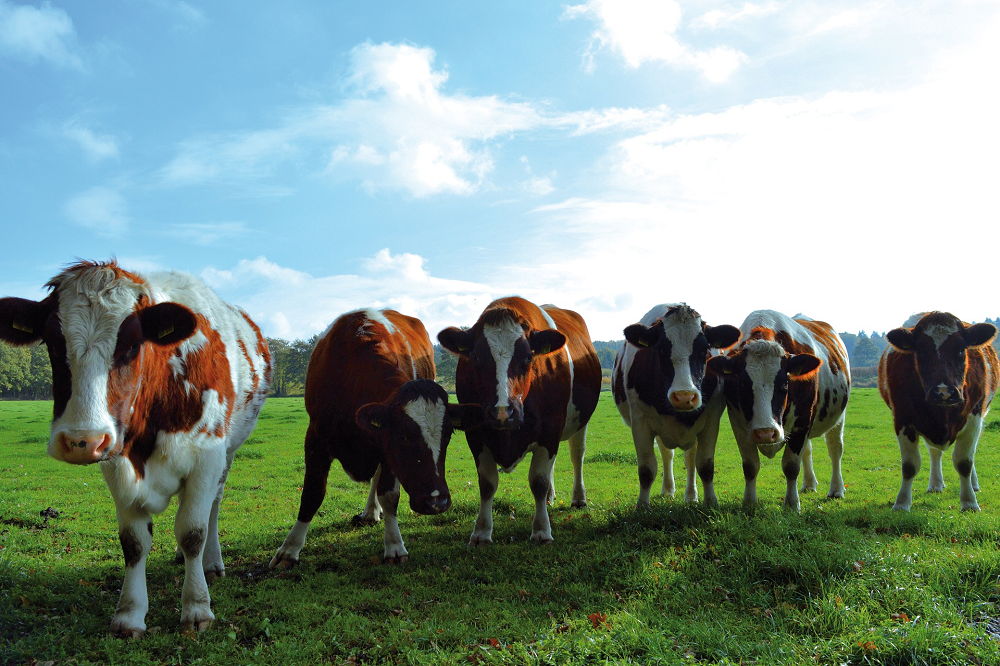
(787, 381)
(536, 375)
(160, 382)
(373, 405)
(938, 376)
(662, 393)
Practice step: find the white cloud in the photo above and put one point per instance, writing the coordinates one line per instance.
(646, 31)
(100, 209)
(38, 33)
(97, 146)
(207, 233)
(717, 18)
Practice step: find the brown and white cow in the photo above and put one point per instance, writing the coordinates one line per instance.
(787, 382)
(160, 382)
(662, 393)
(373, 405)
(536, 374)
(938, 377)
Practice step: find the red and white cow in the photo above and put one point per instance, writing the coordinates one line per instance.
(536, 374)
(661, 391)
(787, 382)
(160, 382)
(938, 377)
(373, 405)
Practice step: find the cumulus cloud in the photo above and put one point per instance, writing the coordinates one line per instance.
(643, 31)
(96, 146)
(100, 209)
(34, 34)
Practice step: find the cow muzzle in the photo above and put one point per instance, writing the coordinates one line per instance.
(945, 396)
(685, 401)
(431, 506)
(83, 448)
(504, 418)
(767, 440)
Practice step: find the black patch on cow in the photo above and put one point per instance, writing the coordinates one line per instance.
(149, 526)
(646, 476)
(707, 471)
(749, 472)
(844, 406)
(825, 409)
(910, 433)
(791, 469)
(618, 381)
(192, 542)
(539, 487)
(964, 467)
(486, 489)
(131, 547)
(909, 471)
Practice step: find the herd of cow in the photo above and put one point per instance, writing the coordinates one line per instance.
(161, 382)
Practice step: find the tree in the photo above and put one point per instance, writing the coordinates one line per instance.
(606, 356)
(866, 352)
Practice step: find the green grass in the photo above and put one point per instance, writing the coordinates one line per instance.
(845, 581)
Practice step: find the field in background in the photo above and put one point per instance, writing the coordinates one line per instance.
(845, 581)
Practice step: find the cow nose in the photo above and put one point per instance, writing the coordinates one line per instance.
(84, 448)
(765, 435)
(946, 395)
(684, 401)
(430, 506)
(502, 414)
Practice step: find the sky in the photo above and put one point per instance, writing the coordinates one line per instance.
(828, 157)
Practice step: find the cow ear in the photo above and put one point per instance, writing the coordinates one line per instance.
(546, 342)
(722, 336)
(167, 323)
(466, 416)
(22, 320)
(721, 366)
(900, 338)
(980, 334)
(640, 335)
(803, 366)
(456, 340)
(373, 418)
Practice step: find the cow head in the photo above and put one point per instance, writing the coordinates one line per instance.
(98, 325)
(683, 344)
(939, 341)
(759, 378)
(414, 427)
(501, 348)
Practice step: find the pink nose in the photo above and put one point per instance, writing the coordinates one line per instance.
(765, 435)
(684, 401)
(502, 414)
(84, 448)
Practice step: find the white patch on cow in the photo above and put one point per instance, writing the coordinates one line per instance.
(682, 328)
(436, 493)
(379, 316)
(413, 361)
(501, 340)
(429, 416)
(941, 332)
(763, 361)
(572, 413)
(178, 362)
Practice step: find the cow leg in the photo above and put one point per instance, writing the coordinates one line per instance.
(963, 456)
(910, 455)
(211, 559)
(667, 488)
(372, 513)
(194, 507)
(790, 464)
(388, 497)
(642, 437)
(690, 485)
(577, 450)
(704, 461)
(489, 479)
(936, 482)
(538, 479)
(751, 460)
(835, 448)
(318, 461)
(809, 481)
(135, 531)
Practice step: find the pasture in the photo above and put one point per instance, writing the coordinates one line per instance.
(846, 581)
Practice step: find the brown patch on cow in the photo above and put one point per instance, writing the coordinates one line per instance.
(192, 541)
(262, 349)
(827, 337)
(131, 547)
(646, 476)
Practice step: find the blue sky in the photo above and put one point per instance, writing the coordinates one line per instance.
(306, 158)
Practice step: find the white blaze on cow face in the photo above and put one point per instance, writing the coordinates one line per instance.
(501, 339)
(763, 363)
(429, 416)
(681, 330)
(941, 332)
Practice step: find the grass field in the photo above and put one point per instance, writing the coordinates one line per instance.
(844, 582)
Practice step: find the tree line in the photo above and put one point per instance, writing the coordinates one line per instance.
(25, 373)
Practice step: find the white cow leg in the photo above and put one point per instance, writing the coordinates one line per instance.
(963, 456)
(791, 463)
(538, 480)
(395, 551)
(135, 531)
(642, 437)
(194, 506)
(835, 448)
(372, 513)
(936, 482)
(704, 462)
(577, 451)
(751, 466)
(489, 479)
(211, 559)
(810, 483)
(667, 488)
(690, 485)
(910, 456)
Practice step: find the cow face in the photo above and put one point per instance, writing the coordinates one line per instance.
(939, 342)
(501, 357)
(682, 342)
(758, 378)
(98, 326)
(414, 428)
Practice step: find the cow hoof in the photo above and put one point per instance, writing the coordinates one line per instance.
(478, 541)
(393, 560)
(974, 506)
(196, 625)
(212, 574)
(936, 490)
(542, 540)
(121, 631)
(839, 494)
(362, 520)
(901, 507)
(282, 562)
(578, 504)
(808, 489)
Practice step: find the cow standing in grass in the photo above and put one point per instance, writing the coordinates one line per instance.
(160, 382)
(662, 393)
(938, 377)
(787, 382)
(536, 374)
(373, 405)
